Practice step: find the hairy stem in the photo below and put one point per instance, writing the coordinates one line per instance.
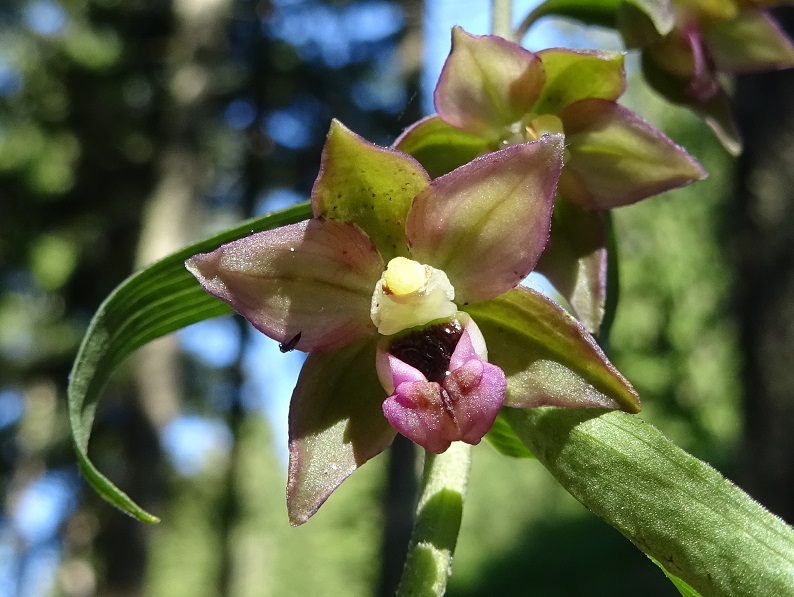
(438, 516)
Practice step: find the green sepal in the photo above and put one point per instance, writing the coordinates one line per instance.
(505, 441)
(151, 303)
(575, 260)
(336, 424)
(674, 507)
(573, 75)
(439, 146)
(548, 357)
(615, 158)
(368, 185)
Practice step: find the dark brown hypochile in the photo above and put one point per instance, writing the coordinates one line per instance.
(429, 350)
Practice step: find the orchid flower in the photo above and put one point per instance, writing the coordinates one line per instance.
(709, 37)
(382, 288)
(493, 93)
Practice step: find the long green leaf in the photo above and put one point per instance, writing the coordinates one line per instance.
(698, 525)
(603, 12)
(151, 303)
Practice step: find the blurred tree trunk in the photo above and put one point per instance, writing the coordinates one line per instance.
(168, 223)
(763, 237)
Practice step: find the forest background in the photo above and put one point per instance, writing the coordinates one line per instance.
(130, 129)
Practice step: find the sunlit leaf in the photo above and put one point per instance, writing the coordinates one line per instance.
(151, 303)
(700, 526)
(505, 441)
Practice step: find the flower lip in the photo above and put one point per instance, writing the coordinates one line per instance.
(429, 349)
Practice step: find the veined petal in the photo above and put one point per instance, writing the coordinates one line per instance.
(312, 281)
(575, 262)
(368, 185)
(486, 223)
(487, 83)
(335, 425)
(749, 43)
(549, 358)
(615, 157)
(439, 146)
(573, 75)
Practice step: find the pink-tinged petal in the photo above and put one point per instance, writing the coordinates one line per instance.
(308, 284)
(369, 186)
(417, 411)
(441, 388)
(616, 158)
(439, 146)
(549, 358)
(575, 262)
(462, 409)
(487, 83)
(715, 110)
(471, 344)
(486, 223)
(392, 371)
(573, 75)
(335, 425)
(683, 56)
(478, 392)
(704, 83)
(751, 42)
